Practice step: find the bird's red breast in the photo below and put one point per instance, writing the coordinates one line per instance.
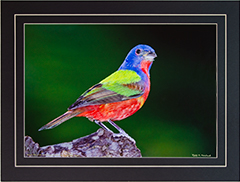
(145, 67)
(114, 111)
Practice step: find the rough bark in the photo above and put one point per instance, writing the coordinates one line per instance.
(99, 144)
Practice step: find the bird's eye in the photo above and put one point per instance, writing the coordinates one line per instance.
(138, 51)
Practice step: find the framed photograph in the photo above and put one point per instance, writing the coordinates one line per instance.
(53, 52)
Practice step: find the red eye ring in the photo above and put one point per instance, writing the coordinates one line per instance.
(138, 51)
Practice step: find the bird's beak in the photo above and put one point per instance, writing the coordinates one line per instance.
(150, 55)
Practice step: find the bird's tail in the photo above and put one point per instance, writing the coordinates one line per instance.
(59, 120)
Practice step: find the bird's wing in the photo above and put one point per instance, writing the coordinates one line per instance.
(119, 86)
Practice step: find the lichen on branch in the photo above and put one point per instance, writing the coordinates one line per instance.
(101, 143)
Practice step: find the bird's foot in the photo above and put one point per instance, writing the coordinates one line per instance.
(123, 133)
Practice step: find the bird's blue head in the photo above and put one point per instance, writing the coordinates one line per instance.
(139, 59)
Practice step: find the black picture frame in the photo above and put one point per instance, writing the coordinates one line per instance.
(225, 167)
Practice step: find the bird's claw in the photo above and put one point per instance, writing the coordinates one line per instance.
(125, 135)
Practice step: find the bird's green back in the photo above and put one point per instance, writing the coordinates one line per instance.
(116, 81)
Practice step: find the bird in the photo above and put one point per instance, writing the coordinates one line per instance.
(116, 97)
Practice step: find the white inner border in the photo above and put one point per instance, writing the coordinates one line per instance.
(125, 166)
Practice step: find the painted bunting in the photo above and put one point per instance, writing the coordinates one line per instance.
(116, 97)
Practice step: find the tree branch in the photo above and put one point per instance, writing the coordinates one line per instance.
(102, 143)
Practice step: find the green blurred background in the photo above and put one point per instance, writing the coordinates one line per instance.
(179, 116)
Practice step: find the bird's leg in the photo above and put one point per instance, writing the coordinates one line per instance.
(102, 125)
(121, 131)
